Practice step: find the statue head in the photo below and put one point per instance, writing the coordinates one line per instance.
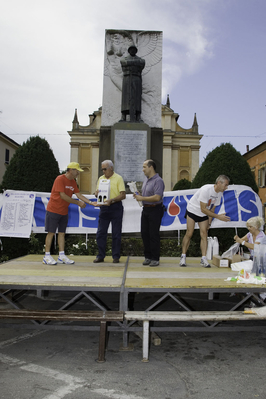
(132, 50)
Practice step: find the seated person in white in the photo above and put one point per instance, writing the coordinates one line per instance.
(254, 236)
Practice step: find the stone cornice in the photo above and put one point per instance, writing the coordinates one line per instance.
(95, 145)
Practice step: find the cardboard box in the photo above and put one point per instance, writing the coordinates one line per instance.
(218, 261)
(226, 262)
(235, 259)
(104, 191)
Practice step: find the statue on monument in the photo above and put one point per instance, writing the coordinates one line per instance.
(132, 67)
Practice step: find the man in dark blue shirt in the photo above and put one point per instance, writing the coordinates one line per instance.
(152, 212)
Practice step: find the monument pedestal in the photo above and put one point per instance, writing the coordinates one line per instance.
(128, 145)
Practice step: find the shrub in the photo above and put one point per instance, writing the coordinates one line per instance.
(182, 184)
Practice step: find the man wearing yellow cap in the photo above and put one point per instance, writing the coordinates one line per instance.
(57, 211)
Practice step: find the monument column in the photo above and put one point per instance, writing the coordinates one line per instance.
(131, 129)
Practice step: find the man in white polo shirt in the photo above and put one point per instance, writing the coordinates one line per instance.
(200, 209)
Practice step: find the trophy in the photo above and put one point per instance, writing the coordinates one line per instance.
(133, 189)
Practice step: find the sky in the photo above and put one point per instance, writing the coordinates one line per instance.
(214, 57)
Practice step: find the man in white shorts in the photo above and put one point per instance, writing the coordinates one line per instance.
(200, 209)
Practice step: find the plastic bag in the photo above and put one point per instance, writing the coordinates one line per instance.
(245, 265)
(231, 251)
(133, 189)
(259, 311)
(213, 247)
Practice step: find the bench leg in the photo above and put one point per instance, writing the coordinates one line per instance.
(145, 343)
(102, 342)
(210, 296)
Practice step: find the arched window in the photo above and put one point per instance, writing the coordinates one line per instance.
(184, 174)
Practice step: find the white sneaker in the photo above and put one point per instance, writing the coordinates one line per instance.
(183, 261)
(49, 260)
(64, 259)
(204, 262)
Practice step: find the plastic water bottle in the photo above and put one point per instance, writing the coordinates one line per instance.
(263, 259)
(255, 268)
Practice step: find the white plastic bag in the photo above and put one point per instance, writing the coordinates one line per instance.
(231, 251)
(213, 247)
(209, 248)
(245, 265)
(133, 189)
(259, 311)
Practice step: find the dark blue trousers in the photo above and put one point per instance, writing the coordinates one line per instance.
(150, 231)
(110, 214)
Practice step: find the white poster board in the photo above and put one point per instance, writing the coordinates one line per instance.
(17, 214)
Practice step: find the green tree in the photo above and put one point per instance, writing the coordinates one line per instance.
(32, 168)
(225, 160)
(182, 184)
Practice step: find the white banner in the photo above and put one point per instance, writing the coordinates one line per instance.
(238, 202)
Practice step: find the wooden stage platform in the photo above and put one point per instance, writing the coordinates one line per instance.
(29, 272)
(85, 279)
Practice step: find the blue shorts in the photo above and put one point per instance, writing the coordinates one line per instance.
(54, 221)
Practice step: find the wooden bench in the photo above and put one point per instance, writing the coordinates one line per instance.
(185, 316)
(69, 315)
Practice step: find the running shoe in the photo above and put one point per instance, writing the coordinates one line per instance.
(183, 261)
(49, 260)
(64, 259)
(204, 262)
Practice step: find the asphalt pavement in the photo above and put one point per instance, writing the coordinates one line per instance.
(58, 364)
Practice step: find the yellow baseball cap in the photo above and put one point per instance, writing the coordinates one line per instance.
(74, 165)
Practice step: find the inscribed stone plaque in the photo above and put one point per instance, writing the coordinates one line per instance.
(130, 151)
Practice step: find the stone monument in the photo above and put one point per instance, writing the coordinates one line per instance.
(131, 112)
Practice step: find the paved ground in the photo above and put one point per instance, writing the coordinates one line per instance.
(61, 364)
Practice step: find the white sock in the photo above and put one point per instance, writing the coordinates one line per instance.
(61, 253)
(183, 255)
(47, 253)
